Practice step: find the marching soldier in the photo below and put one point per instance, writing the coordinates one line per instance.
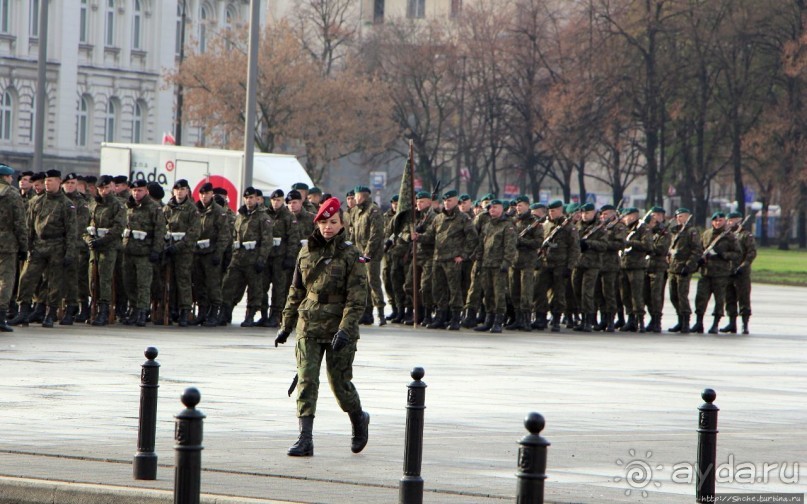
(103, 238)
(685, 251)
(593, 242)
(559, 254)
(720, 249)
(13, 240)
(739, 288)
(252, 239)
(571, 316)
(52, 248)
(368, 237)
(183, 229)
(455, 240)
(294, 202)
(606, 290)
(638, 243)
(207, 256)
(77, 274)
(529, 236)
(656, 278)
(286, 236)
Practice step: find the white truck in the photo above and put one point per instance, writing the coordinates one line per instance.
(165, 164)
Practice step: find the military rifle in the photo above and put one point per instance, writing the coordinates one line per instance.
(616, 216)
(94, 289)
(673, 251)
(707, 252)
(599, 226)
(534, 224)
(549, 240)
(740, 226)
(641, 223)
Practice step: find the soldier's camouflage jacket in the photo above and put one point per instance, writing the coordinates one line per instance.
(596, 244)
(726, 251)
(685, 249)
(182, 217)
(252, 225)
(13, 230)
(498, 240)
(657, 256)
(213, 226)
(106, 212)
(564, 249)
(452, 235)
(638, 243)
(52, 224)
(288, 230)
(146, 216)
(367, 225)
(529, 236)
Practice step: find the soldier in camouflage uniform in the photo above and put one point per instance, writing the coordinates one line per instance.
(559, 254)
(327, 298)
(52, 248)
(208, 252)
(606, 290)
(252, 240)
(392, 270)
(473, 299)
(368, 236)
(13, 240)
(314, 198)
(454, 238)
(424, 255)
(103, 238)
(77, 274)
(571, 316)
(308, 206)
(593, 243)
(739, 288)
(638, 244)
(720, 249)
(286, 236)
(685, 250)
(183, 229)
(529, 236)
(656, 278)
(122, 192)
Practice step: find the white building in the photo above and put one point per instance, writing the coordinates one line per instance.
(106, 61)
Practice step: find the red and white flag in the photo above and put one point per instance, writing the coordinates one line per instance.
(168, 139)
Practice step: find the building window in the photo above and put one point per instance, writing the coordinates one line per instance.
(34, 17)
(110, 120)
(83, 27)
(456, 8)
(5, 15)
(137, 123)
(6, 115)
(137, 25)
(82, 121)
(416, 9)
(204, 16)
(378, 11)
(109, 24)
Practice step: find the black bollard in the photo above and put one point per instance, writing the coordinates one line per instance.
(532, 462)
(144, 465)
(707, 447)
(411, 489)
(188, 447)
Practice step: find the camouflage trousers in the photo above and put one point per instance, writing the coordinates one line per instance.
(494, 286)
(45, 261)
(447, 285)
(584, 281)
(521, 288)
(138, 271)
(375, 295)
(739, 292)
(206, 280)
(707, 287)
(633, 290)
(77, 283)
(241, 275)
(474, 297)
(105, 260)
(8, 274)
(181, 279)
(679, 294)
(393, 273)
(424, 280)
(606, 291)
(551, 278)
(275, 276)
(654, 284)
(339, 366)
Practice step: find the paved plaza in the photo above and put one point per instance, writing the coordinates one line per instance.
(69, 401)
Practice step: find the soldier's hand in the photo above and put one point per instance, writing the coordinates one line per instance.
(66, 262)
(701, 261)
(387, 245)
(281, 337)
(93, 244)
(739, 270)
(288, 263)
(22, 255)
(583, 245)
(259, 266)
(340, 340)
(154, 257)
(215, 260)
(684, 271)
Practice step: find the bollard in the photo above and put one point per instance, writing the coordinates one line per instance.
(188, 447)
(411, 488)
(144, 465)
(532, 462)
(707, 448)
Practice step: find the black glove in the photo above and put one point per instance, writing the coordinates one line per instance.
(420, 228)
(739, 270)
(171, 250)
(387, 245)
(701, 261)
(215, 260)
(583, 245)
(288, 263)
(66, 262)
(340, 340)
(567, 272)
(281, 337)
(154, 257)
(22, 255)
(259, 266)
(684, 271)
(93, 243)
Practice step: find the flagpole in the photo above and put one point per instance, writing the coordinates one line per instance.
(412, 203)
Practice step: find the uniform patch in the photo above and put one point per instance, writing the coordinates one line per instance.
(363, 260)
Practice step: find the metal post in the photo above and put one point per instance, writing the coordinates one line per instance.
(411, 488)
(532, 462)
(144, 466)
(707, 447)
(41, 87)
(252, 89)
(180, 89)
(188, 448)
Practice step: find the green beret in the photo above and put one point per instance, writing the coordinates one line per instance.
(513, 202)
(607, 207)
(682, 210)
(361, 188)
(572, 207)
(300, 186)
(735, 215)
(718, 215)
(450, 194)
(496, 202)
(465, 197)
(476, 203)
(536, 206)
(630, 210)
(423, 195)
(394, 198)
(523, 199)
(657, 209)
(6, 170)
(556, 204)
(588, 207)
(315, 190)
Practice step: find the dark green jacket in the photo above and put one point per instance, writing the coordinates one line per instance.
(52, 223)
(107, 213)
(596, 244)
(685, 249)
(657, 257)
(453, 235)
(498, 243)
(144, 216)
(529, 236)
(213, 226)
(254, 225)
(287, 230)
(638, 243)
(725, 252)
(183, 218)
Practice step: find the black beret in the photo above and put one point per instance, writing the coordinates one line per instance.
(294, 194)
(219, 199)
(103, 180)
(326, 196)
(26, 174)
(38, 176)
(315, 190)
(156, 191)
(607, 207)
(220, 191)
(181, 183)
(206, 187)
(136, 183)
(53, 173)
(300, 186)
(277, 193)
(91, 179)
(81, 178)
(249, 191)
(120, 179)
(69, 176)
(350, 193)
(258, 192)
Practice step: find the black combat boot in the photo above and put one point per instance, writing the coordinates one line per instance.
(102, 317)
(409, 316)
(698, 327)
(630, 325)
(4, 327)
(469, 320)
(274, 318)
(567, 320)
(261, 322)
(454, 325)
(226, 315)
(715, 323)
(367, 316)
(498, 319)
(38, 314)
(50, 315)
(684, 324)
(304, 447)
(481, 315)
(518, 322)
(183, 317)
(731, 327)
(526, 321)
(598, 326)
(248, 318)
(392, 316)
(745, 323)
(585, 324)
(13, 309)
(22, 315)
(201, 315)
(128, 317)
(403, 315)
(620, 319)
(360, 421)
(486, 325)
(440, 320)
(212, 319)
(656, 323)
(69, 315)
(83, 314)
(677, 327)
(382, 320)
(555, 323)
(427, 318)
(540, 321)
(140, 318)
(640, 327)
(609, 322)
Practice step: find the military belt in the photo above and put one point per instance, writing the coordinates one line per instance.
(326, 298)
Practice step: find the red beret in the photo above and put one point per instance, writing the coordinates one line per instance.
(327, 209)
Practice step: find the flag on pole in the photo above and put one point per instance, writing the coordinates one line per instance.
(405, 215)
(168, 139)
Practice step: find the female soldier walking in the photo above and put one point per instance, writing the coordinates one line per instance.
(326, 299)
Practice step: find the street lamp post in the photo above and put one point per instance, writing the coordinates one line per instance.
(41, 86)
